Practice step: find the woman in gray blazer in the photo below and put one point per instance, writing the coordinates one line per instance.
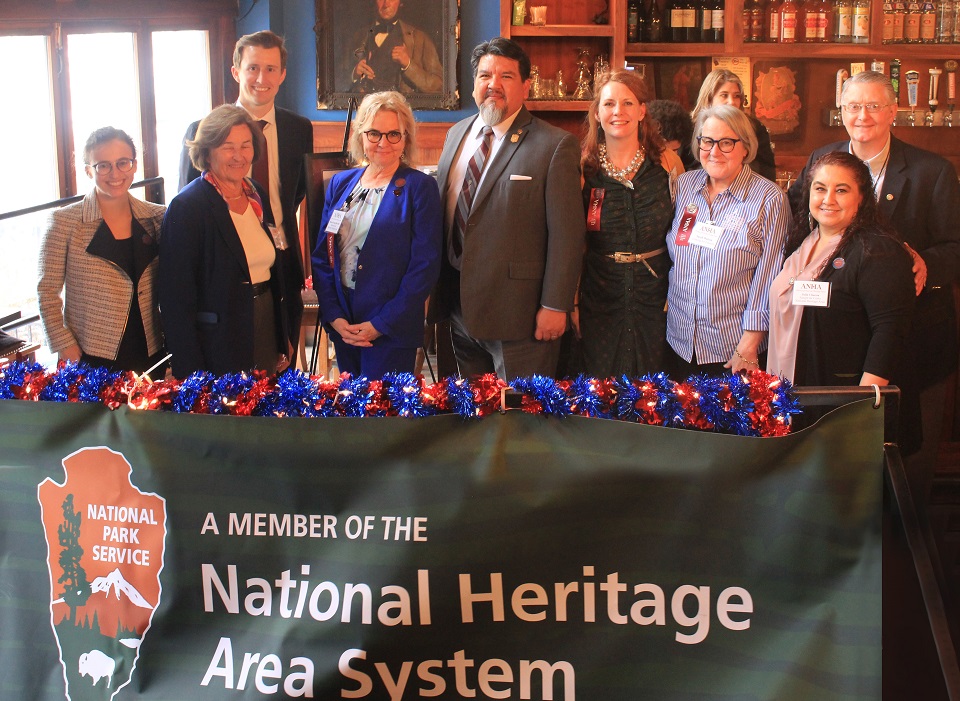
(98, 263)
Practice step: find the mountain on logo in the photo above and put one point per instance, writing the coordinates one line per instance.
(118, 584)
(116, 605)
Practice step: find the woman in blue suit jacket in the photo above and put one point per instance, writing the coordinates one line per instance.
(378, 252)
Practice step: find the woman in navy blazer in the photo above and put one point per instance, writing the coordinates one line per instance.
(378, 252)
(223, 302)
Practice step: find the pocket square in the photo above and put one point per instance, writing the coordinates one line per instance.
(514, 176)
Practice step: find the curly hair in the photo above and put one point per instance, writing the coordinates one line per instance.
(649, 131)
(866, 223)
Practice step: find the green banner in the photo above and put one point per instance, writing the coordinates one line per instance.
(148, 555)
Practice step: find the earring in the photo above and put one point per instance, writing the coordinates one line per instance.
(812, 221)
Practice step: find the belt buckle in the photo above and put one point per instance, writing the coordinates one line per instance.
(620, 257)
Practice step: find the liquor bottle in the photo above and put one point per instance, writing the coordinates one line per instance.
(642, 19)
(773, 21)
(788, 22)
(655, 31)
(861, 21)
(711, 30)
(816, 18)
(887, 36)
(899, 20)
(911, 23)
(928, 23)
(956, 23)
(692, 17)
(945, 18)
(843, 21)
(633, 21)
(753, 21)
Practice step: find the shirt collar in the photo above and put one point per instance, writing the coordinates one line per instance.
(878, 162)
(738, 188)
(499, 130)
(270, 117)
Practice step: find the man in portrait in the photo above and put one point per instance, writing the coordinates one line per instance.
(392, 54)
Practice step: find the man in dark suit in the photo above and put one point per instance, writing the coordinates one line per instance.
(513, 246)
(260, 67)
(918, 194)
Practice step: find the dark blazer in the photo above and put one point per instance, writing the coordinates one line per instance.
(398, 264)
(294, 139)
(764, 163)
(920, 200)
(525, 238)
(206, 299)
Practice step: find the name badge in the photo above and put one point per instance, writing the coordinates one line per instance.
(279, 239)
(811, 293)
(733, 220)
(336, 219)
(706, 235)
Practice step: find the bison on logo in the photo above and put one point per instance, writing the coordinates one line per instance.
(105, 543)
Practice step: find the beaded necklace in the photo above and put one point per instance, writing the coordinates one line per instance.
(622, 174)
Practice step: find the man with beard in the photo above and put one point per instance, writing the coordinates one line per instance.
(514, 226)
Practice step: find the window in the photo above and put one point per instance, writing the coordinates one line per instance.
(149, 77)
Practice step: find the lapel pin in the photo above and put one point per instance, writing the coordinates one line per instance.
(889, 197)
(400, 182)
(515, 138)
(838, 263)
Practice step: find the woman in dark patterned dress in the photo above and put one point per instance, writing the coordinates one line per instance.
(620, 315)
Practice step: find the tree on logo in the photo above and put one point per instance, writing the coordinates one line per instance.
(76, 589)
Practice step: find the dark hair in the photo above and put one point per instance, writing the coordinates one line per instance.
(675, 122)
(649, 130)
(265, 40)
(865, 225)
(102, 136)
(214, 130)
(498, 46)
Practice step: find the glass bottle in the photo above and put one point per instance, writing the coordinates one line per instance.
(633, 21)
(861, 21)
(899, 20)
(788, 22)
(691, 19)
(773, 21)
(753, 21)
(911, 23)
(956, 23)
(711, 29)
(815, 18)
(655, 23)
(928, 23)
(887, 37)
(945, 14)
(843, 21)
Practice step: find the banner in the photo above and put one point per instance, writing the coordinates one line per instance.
(148, 555)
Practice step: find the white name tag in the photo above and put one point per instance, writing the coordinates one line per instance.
(336, 219)
(733, 220)
(811, 293)
(706, 235)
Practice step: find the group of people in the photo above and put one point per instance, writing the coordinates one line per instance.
(526, 237)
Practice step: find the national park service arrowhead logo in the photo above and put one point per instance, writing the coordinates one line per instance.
(105, 543)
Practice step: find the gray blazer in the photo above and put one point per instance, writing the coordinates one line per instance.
(525, 237)
(96, 303)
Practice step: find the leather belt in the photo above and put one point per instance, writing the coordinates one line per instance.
(260, 288)
(620, 257)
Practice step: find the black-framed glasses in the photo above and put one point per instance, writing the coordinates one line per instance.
(725, 145)
(124, 165)
(374, 136)
(870, 107)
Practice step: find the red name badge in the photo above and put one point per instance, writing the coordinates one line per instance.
(330, 243)
(594, 208)
(687, 222)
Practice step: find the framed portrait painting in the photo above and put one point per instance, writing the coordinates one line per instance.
(366, 46)
(679, 80)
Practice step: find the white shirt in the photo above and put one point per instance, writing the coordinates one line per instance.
(273, 159)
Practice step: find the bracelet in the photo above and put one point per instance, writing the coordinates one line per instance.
(748, 362)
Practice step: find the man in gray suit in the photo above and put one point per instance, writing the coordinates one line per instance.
(514, 227)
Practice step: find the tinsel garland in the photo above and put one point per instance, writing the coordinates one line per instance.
(754, 404)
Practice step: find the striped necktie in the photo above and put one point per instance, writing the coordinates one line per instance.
(471, 179)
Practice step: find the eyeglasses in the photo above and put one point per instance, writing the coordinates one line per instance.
(870, 107)
(124, 165)
(725, 145)
(374, 136)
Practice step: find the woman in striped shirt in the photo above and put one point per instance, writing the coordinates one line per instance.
(727, 246)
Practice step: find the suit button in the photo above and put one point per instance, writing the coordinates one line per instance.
(359, 267)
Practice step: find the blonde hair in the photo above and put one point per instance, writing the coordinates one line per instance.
(711, 86)
(372, 104)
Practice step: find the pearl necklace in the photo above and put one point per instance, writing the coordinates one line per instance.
(622, 174)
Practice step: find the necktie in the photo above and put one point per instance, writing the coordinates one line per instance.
(261, 168)
(471, 178)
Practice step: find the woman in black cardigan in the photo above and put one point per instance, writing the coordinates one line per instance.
(841, 306)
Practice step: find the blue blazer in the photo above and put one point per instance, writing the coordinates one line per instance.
(206, 299)
(398, 265)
